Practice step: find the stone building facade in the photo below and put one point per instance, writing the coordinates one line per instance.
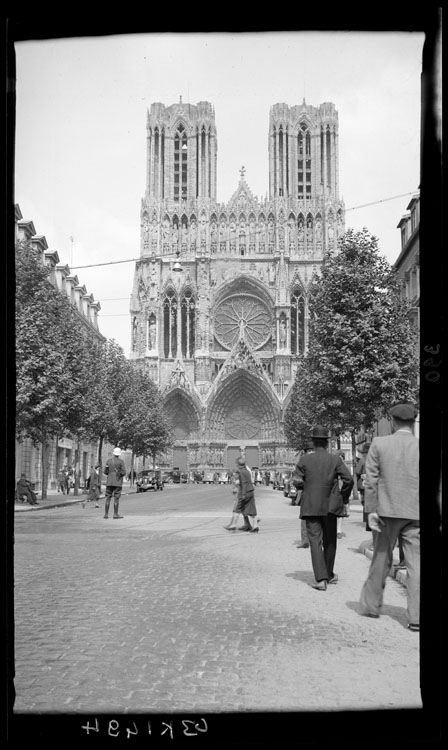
(63, 450)
(220, 337)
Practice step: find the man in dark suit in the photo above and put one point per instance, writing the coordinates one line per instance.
(392, 502)
(115, 470)
(321, 502)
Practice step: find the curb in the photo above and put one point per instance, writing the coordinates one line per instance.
(398, 575)
(48, 504)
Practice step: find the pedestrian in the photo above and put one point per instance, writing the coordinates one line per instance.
(94, 481)
(345, 510)
(360, 475)
(61, 481)
(392, 503)
(115, 470)
(23, 489)
(304, 542)
(68, 479)
(321, 501)
(245, 501)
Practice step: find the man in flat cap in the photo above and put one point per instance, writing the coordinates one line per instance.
(321, 502)
(391, 499)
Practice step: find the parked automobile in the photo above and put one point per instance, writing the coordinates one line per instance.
(167, 477)
(281, 475)
(197, 477)
(207, 477)
(176, 476)
(257, 476)
(149, 480)
(290, 490)
(223, 477)
(184, 477)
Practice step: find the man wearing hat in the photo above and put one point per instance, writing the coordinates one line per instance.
(115, 470)
(321, 502)
(391, 500)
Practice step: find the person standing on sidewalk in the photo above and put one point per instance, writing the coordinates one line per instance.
(115, 470)
(321, 501)
(392, 503)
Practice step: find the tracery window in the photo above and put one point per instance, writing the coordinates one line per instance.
(180, 163)
(170, 324)
(188, 324)
(304, 161)
(297, 322)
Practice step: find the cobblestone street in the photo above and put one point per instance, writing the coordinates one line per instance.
(166, 612)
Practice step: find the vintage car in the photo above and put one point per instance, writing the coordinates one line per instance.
(223, 477)
(281, 476)
(196, 477)
(184, 477)
(149, 480)
(290, 490)
(208, 477)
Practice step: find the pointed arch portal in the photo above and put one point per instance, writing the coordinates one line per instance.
(242, 409)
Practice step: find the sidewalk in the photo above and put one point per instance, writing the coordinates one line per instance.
(56, 499)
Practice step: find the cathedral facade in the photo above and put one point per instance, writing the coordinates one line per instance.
(220, 299)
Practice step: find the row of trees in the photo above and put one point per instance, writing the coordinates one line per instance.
(362, 347)
(69, 382)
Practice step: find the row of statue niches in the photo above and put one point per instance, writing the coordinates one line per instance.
(217, 456)
(227, 237)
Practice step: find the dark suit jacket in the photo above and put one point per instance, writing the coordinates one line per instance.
(115, 470)
(318, 474)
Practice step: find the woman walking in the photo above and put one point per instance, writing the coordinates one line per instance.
(245, 502)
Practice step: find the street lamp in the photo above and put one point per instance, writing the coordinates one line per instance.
(177, 266)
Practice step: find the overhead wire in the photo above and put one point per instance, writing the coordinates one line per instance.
(232, 236)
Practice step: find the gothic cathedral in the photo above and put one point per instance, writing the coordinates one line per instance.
(219, 306)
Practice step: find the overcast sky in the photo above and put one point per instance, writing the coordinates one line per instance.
(81, 131)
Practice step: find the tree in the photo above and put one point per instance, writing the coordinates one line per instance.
(144, 427)
(49, 342)
(362, 348)
(105, 379)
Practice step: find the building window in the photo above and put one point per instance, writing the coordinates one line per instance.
(297, 322)
(170, 325)
(180, 164)
(188, 324)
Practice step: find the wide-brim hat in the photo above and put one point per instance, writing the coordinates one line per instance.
(320, 432)
(117, 451)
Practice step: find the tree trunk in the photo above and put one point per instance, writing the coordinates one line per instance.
(45, 455)
(77, 469)
(100, 450)
(154, 460)
(355, 488)
(132, 468)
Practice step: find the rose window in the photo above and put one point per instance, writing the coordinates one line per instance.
(241, 423)
(242, 314)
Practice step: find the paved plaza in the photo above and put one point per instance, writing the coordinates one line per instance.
(165, 612)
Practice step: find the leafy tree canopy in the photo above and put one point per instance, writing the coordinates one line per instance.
(362, 348)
